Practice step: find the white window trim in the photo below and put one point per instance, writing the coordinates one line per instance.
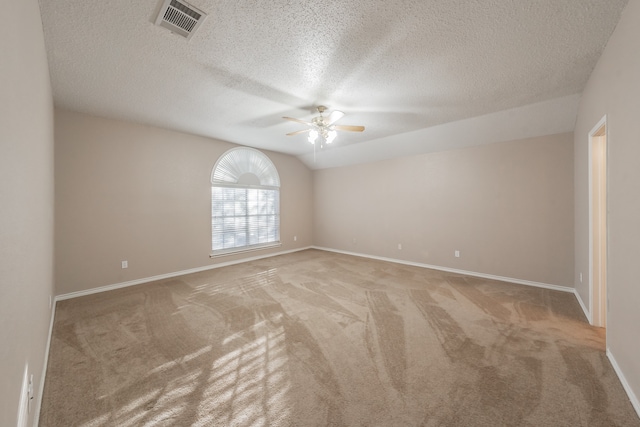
(253, 248)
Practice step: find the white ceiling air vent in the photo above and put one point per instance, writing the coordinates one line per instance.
(180, 17)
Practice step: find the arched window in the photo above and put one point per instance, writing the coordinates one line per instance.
(245, 202)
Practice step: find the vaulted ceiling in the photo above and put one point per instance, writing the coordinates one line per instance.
(420, 75)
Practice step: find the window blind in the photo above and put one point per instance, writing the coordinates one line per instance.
(244, 217)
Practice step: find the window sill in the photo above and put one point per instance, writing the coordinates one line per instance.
(237, 251)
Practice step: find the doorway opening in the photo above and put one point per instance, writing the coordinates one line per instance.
(598, 223)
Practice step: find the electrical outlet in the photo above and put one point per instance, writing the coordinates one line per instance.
(399, 246)
(295, 238)
(457, 254)
(125, 264)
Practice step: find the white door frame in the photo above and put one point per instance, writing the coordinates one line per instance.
(595, 301)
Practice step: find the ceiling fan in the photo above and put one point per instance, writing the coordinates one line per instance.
(323, 127)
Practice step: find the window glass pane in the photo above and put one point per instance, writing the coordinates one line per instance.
(229, 240)
(253, 230)
(229, 208)
(270, 206)
(241, 239)
(241, 207)
(253, 202)
(270, 226)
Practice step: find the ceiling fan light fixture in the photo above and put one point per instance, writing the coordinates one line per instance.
(313, 135)
(323, 128)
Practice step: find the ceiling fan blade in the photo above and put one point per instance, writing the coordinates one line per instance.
(349, 128)
(334, 117)
(298, 132)
(298, 120)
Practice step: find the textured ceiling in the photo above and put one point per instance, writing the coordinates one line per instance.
(397, 67)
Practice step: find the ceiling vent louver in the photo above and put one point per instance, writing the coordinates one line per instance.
(180, 18)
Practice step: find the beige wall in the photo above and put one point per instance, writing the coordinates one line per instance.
(614, 89)
(507, 207)
(26, 204)
(142, 194)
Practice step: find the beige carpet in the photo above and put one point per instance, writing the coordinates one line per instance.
(321, 339)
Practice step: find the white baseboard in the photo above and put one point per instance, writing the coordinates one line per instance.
(169, 275)
(453, 270)
(397, 261)
(625, 384)
(583, 306)
(36, 417)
